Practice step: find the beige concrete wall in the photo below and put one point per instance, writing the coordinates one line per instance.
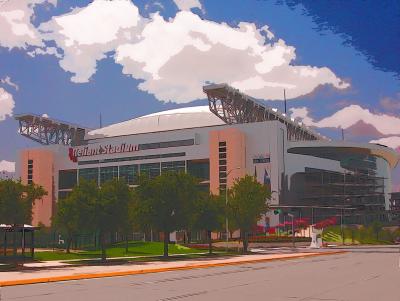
(236, 156)
(43, 165)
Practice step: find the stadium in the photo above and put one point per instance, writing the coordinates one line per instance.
(234, 135)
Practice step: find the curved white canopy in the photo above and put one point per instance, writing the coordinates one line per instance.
(189, 117)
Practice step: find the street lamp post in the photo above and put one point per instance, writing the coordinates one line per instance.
(226, 204)
(292, 217)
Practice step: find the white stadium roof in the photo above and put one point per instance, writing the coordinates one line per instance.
(189, 117)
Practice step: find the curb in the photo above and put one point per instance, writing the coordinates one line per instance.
(156, 270)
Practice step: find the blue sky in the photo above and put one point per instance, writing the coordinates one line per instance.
(57, 59)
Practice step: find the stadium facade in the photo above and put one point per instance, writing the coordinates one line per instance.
(234, 135)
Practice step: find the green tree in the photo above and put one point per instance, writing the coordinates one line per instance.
(16, 201)
(110, 210)
(66, 218)
(165, 203)
(209, 215)
(119, 194)
(246, 204)
(376, 228)
(75, 213)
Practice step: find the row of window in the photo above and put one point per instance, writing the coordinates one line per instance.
(30, 171)
(261, 160)
(198, 168)
(146, 146)
(156, 145)
(222, 164)
(135, 158)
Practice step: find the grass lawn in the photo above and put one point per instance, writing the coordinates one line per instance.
(333, 234)
(136, 248)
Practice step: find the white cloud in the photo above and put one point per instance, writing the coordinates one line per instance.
(7, 80)
(302, 114)
(45, 115)
(44, 51)
(196, 51)
(7, 166)
(16, 29)
(188, 4)
(87, 34)
(349, 116)
(6, 104)
(392, 141)
(155, 4)
(174, 58)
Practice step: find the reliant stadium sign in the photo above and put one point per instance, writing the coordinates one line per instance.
(99, 149)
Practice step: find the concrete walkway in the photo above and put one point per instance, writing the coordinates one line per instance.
(63, 273)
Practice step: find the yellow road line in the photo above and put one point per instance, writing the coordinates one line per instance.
(155, 270)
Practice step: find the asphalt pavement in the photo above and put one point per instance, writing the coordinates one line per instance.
(364, 273)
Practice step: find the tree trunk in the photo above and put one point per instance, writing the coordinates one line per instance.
(69, 240)
(245, 242)
(15, 243)
(209, 242)
(166, 241)
(103, 246)
(126, 243)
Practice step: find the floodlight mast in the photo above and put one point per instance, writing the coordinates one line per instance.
(233, 106)
(48, 131)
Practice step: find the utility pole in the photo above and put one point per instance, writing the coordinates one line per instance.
(284, 97)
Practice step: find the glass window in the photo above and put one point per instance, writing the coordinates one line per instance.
(261, 160)
(66, 179)
(129, 173)
(177, 166)
(166, 144)
(30, 171)
(199, 169)
(63, 194)
(150, 169)
(90, 174)
(136, 158)
(108, 173)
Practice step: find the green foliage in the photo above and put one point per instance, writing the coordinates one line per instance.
(246, 204)
(16, 201)
(376, 228)
(89, 208)
(111, 209)
(209, 215)
(165, 203)
(66, 219)
(75, 213)
(358, 235)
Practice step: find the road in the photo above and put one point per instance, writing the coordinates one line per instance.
(365, 273)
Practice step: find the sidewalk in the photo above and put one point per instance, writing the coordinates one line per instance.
(63, 273)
